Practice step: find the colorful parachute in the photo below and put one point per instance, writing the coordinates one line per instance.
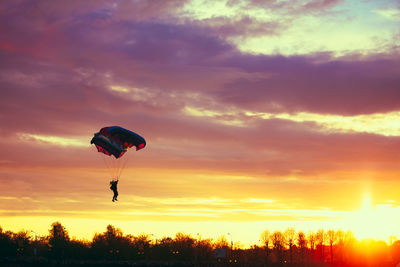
(115, 141)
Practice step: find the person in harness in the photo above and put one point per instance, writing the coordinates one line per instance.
(113, 187)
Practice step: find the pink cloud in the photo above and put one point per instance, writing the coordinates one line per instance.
(58, 63)
(299, 84)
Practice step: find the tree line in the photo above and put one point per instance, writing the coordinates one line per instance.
(289, 248)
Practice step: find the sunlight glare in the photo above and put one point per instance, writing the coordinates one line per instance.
(374, 221)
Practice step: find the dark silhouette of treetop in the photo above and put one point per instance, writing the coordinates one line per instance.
(332, 248)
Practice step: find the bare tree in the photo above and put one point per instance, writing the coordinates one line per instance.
(311, 237)
(302, 243)
(320, 241)
(221, 242)
(331, 236)
(266, 239)
(278, 240)
(289, 237)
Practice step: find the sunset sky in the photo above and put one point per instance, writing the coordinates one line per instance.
(257, 115)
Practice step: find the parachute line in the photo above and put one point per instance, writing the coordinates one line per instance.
(112, 143)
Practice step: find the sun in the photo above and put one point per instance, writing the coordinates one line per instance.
(374, 221)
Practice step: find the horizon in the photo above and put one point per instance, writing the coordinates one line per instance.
(343, 236)
(256, 116)
(112, 246)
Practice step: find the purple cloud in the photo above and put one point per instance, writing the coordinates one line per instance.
(298, 84)
(57, 67)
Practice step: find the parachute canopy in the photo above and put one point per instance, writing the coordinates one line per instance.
(115, 140)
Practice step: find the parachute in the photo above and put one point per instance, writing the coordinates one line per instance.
(113, 142)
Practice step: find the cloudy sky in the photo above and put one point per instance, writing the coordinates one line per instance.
(257, 115)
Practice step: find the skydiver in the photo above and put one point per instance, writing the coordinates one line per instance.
(113, 187)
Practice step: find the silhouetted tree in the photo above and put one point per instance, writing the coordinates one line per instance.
(204, 249)
(221, 242)
(320, 241)
(253, 255)
(278, 240)
(7, 247)
(184, 246)
(108, 245)
(311, 237)
(40, 246)
(58, 240)
(331, 236)
(141, 245)
(289, 238)
(302, 243)
(22, 242)
(113, 245)
(78, 249)
(165, 248)
(266, 239)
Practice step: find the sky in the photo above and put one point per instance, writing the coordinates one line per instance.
(257, 115)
